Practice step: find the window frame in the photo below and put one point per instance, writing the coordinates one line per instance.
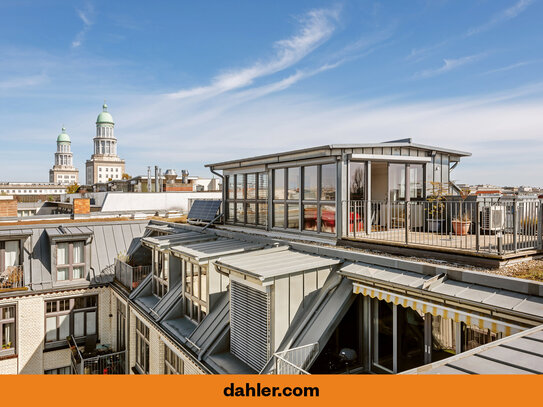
(121, 325)
(195, 307)
(3, 253)
(71, 311)
(257, 199)
(161, 277)
(12, 350)
(142, 345)
(173, 363)
(71, 265)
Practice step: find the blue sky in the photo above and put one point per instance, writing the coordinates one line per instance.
(190, 83)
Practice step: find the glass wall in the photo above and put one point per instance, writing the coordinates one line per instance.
(305, 198)
(247, 197)
(357, 182)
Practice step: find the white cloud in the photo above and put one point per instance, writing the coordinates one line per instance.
(508, 67)
(86, 17)
(449, 65)
(316, 27)
(502, 16)
(23, 81)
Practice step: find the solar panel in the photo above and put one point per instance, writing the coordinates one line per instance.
(204, 210)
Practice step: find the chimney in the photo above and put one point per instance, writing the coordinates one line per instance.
(156, 178)
(184, 176)
(81, 206)
(8, 206)
(160, 180)
(149, 179)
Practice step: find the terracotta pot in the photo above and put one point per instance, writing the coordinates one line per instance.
(460, 227)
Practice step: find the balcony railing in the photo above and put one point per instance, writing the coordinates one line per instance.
(130, 276)
(12, 278)
(100, 361)
(292, 361)
(486, 226)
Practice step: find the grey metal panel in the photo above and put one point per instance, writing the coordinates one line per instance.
(127, 236)
(210, 329)
(531, 305)
(204, 251)
(515, 357)
(505, 299)
(95, 257)
(478, 365)
(444, 370)
(101, 248)
(527, 345)
(167, 301)
(476, 293)
(15, 232)
(536, 336)
(452, 288)
(118, 239)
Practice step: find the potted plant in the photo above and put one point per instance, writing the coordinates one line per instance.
(462, 221)
(435, 207)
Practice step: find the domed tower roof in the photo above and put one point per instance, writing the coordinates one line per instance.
(104, 116)
(63, 137)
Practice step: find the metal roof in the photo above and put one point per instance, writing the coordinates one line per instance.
(475, 294)
(15, 233)
(68, 231)
(164, 228)
(521, 353)
(207, 250)
(164, 242)
(267, 264)
(343, 147)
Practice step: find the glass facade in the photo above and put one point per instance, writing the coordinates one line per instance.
(246, 196)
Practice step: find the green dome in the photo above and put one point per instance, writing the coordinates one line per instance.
(104, 117)
(63, 137)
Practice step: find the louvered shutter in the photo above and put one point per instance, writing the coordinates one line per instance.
(249, 325)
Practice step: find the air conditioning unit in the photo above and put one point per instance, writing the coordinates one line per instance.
(493, 218)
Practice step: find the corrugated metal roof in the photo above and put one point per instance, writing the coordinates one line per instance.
(164, 242)
(521, 353)
(207, 250)
(476, 294)
(267, 264)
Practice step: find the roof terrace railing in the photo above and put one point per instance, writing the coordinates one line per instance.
(130, 276)
(292, 361)
(483, 227)
(12, 278)
(100, 361)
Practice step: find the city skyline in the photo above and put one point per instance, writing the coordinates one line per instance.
(213, 84)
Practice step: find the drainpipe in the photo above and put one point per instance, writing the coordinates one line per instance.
(222, 209)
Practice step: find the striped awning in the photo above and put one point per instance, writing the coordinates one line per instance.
(437, 310)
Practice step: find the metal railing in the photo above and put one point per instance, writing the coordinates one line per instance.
(485, 226)
(292, 361)
(12, 277)
(107, 363)
(130, 276)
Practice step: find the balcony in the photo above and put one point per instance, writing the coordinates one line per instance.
(488, 228)
(130, 276)
(92, 360)
(292, 361)
(12, 278)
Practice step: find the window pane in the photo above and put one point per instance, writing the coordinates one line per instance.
(415, 181)
(279, 184)
(251, 213)
(293, 216)
(51, 329)
(231, 211)
(357, 183)
(79, 256)
(62, 253)
(78, 272)
(251, 186)
(240, 212)
(310, 182)
(196, 281)
(262, 185)
(79, 324)
(188, 278)
(240, 186)
(328, 218)
(231, 187)
(328, 182)
(443, 338)
(11, 257)
(8, 335)
(62, 274)
(203, 284)
(279, 215)
(396, 176)
(263, 214)
(91, 323)
(310, 217)
(64, 326)
(293, 183)
(7, 313)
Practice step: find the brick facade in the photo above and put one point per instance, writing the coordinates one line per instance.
(8, 207)
(81, 206)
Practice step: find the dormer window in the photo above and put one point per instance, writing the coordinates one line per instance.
(70, 260)
(160, 274)
(195, 291)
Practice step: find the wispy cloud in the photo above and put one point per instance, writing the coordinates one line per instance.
(449, 65)
(316, 27)
(86, 16)
(508, 67)
(23, 81)
(502, 16)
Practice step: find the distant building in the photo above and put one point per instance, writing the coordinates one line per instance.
(63, 171)
(105, 164)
